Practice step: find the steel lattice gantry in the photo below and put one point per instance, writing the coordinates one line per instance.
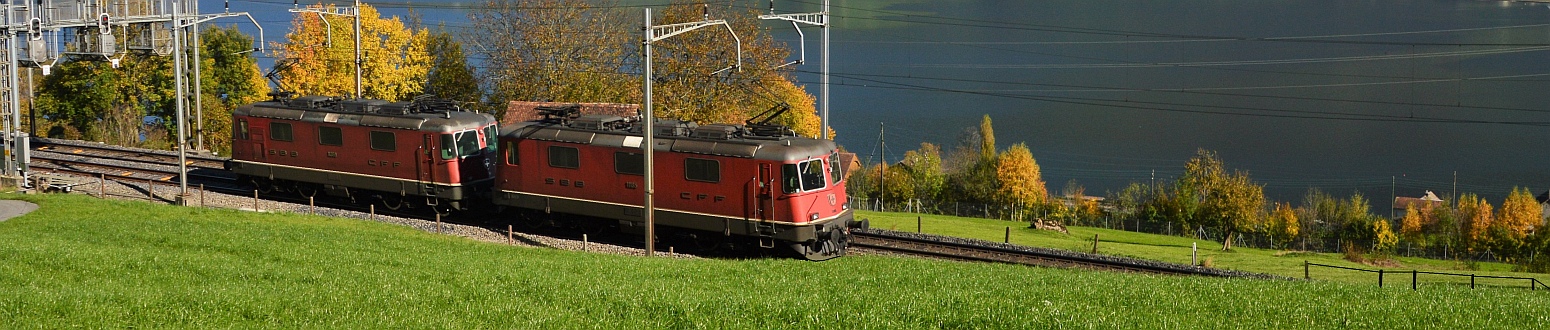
(42, 33)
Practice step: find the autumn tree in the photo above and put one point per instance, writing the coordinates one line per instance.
(987, 140)
(925, 170)
(1520, 213)
(394, 58)
(1475, 215)
(972, 176)
(698, 76)
(1230, 202)
(1410, 224)
(557, 50)
(450, 76)
(1019, 177)
(230, 79)
(1283, 225)
(1384, 239)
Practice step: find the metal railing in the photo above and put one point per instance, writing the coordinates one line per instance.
(1533, 283)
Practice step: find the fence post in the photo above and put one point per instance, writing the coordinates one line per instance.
(373, 208)
(509, 239)
(102, 186)
(1095, 243)
(1471, 281)
(1412, 279)
(1008, 238)
(1305, 271)
(1380, 277)
(150, 190)
(255, 200)
(917, 225)
(201, 195)
(438, 223)
(312, 206)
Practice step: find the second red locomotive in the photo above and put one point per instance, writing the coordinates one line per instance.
(713, 182)
(403, 154)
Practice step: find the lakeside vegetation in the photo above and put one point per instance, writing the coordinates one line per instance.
(1177, 249)
(79, 261)
(1209, 201)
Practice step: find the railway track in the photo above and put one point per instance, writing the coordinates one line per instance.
(128, 165)
(109, 152)
(951, 248)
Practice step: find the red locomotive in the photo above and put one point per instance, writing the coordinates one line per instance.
(713, 182)
(403, 154)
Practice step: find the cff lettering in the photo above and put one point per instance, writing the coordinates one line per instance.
(373, 162)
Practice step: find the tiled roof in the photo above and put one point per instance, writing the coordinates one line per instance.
(520, 111)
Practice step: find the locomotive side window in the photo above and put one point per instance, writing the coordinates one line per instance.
(330, 136)
(242, 129)
(384, 141)
(280, 131)
(490, 137)
(629, 163)
(835, 172)
(706, 170)
(804, 176)
(448, 147)
(564, 157)
(511, 153)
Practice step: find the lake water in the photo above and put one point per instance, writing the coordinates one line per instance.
(1340, 95)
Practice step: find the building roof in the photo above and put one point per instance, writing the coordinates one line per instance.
(1401, 203)
(849, 163)
(520, 111)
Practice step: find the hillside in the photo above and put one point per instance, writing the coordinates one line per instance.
(84, 262)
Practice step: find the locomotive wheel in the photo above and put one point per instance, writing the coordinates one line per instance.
(708, 243)
(392, 202)
(307, 190)
(530, 220)
(263, 186)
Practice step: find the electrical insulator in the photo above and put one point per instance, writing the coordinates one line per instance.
(102, 24)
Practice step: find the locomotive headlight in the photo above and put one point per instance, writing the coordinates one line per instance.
(845, 206)
(813, 217)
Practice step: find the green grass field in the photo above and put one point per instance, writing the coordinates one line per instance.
(1176, 249)
(83, 262)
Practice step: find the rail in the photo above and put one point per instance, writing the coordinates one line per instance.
(1533, 283)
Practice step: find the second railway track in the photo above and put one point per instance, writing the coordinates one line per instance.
(975, 250)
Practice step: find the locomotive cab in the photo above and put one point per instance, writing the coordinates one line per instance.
(470, 154)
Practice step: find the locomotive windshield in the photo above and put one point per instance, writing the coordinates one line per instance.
(465, 143)
(804, 176)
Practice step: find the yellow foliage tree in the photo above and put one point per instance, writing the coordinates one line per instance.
(1284, 225)
(1384, 239)
(1410, 225)
(695, 79)
(1475, 212)
(1021, 182)
(1520, 213)
(394, 61)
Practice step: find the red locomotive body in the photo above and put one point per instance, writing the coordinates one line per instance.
(395, 152)
(716, 180)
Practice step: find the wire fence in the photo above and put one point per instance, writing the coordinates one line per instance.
(1415, 276)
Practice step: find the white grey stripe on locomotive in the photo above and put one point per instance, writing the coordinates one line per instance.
(630, 215)
(405, 187)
